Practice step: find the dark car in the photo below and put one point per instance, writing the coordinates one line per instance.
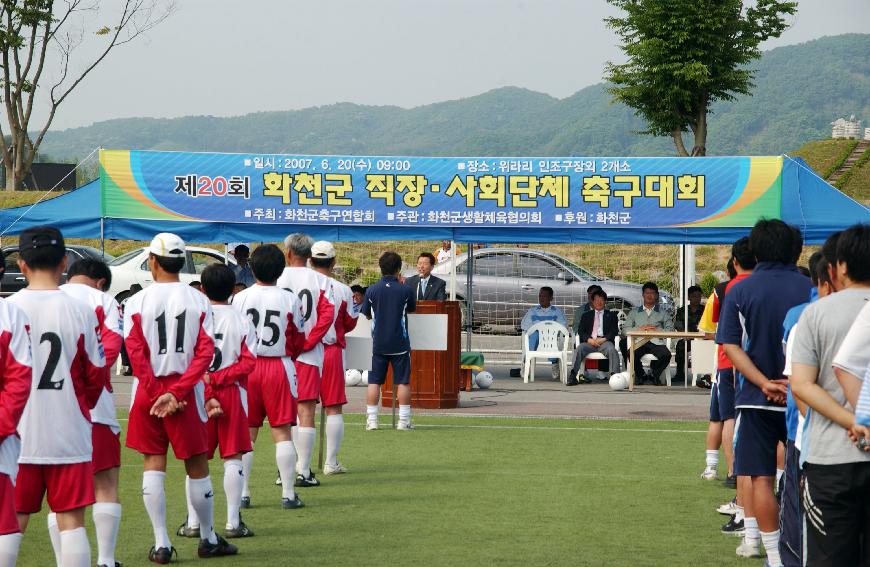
(13, 279)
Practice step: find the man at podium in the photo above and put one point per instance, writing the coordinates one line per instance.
(425, 285)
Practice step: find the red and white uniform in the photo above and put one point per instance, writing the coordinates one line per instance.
(235, 342)
(276, 315)
(69, 374)
(15, 376)
(318, 309)
(168, 331)
(107, 430)
(343, 321)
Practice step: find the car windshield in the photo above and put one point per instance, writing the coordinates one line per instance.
(583, 273)
(95, 253)
(125, 257)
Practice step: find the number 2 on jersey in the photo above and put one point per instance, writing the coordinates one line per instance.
(55, 347)
(179, 332)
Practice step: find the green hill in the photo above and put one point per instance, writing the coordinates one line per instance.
(800, 90)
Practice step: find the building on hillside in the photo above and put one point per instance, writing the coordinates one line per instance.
(843, 128)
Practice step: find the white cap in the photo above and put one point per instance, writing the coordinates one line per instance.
(322, 249)
(167, 245)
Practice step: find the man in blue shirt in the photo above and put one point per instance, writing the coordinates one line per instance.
(750, 330)
(387, 304)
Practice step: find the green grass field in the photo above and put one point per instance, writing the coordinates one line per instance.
(467, 491)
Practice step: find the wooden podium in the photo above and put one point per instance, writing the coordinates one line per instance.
(435, 374)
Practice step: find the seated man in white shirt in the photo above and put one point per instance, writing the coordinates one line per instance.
(545, 311)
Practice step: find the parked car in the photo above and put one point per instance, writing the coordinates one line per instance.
(506, 283)
(130, 271)
(14, 280)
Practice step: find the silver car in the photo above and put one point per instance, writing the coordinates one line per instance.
(506, 283)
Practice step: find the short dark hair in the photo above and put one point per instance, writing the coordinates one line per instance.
(91, 268)
(390, 263)
(598, 293)
(853, 249)
(171, 265)
(829, 248)
(822, 273)
(742, 251)
(592, 288)
(797, 243)
(428, 255)
(356, 288)
(650, 285)
(41, 247)
(321, 262)
(772, 240)
(218, 281)
(548, 289)
(267, 262)
(693, 289)
(814, 266)
(729, 267)
(241, 247)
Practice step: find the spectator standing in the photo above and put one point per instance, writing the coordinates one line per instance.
(424, 284)
(445, 252)
(241, 268)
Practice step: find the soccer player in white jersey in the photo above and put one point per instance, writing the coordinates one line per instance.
(168, 331)
(276, 315)
(88, 278)
(332, 393)
(318, 309)
(16, 373)
(69, 375)
(235, 342)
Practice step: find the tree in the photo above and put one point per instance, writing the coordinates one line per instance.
(683, 56)
(35, 34)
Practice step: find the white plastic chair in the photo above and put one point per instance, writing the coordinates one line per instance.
(549, 335)
(591, 355)
(703, 359)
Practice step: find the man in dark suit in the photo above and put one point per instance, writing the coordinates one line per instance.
(425, 285)
(597, 333)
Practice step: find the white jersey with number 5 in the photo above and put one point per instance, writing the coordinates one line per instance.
(318, 307)
(276, 314)
(68, 377)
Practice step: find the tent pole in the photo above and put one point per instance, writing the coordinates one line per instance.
(453, 271)
(469, 300)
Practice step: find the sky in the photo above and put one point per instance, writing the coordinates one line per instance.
(222, 58)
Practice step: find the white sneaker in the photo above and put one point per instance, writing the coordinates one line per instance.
(729, 508)
(371, 424)
(709, 473)
(404, 426)
(337, 468)
(749, 551)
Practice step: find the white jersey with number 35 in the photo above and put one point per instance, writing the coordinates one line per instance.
(276, 314)
(315, 292)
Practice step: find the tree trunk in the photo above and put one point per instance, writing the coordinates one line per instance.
(677, 135)
(700, 147)
(11, 184)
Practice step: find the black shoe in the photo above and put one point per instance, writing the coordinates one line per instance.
(705, 382)
(241, 531)
(733, 528)
(288, 504)
(516, 372)
(730, 481)
(246, 502)
(162, 555)
(302, 481)
(185, 531)
(572, 382)
(219, 549)
(127, 371)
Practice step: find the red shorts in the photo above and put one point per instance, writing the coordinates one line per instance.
(151, 435)
(107, 448)
(230, 430)
(68, 486)
(269, 393)
(332, 388)
(308, 382)
(8, 519)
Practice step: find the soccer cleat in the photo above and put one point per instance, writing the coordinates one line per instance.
(303, 481)
(219, 549)
(734, 527)
(162, 555)
(729, 508)
(709, 473)
(246, 502)
(337, 468)
(730, 481)
(241, 531)
(371, 424)
(404, 426)
(748, 550)
(186, 531)
(293, 504)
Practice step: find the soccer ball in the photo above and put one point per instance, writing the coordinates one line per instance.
(483, 380)
(352, 377)
(619, 381)
(364, 377)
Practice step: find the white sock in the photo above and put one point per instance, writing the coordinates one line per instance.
(304, 438)
(372, 412)
(192, 520)
(294, 438)
(739, 515)
(202, 498)
(334, 435)
(405, 414)
(54, 536)
(750, 534)
(712, 458)
(155, 504)
(234, 478)
(779, 473)
(771, 546)
(74, 548)
(285, 457)
(107, 521)
(247, 463)
(9, 545)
